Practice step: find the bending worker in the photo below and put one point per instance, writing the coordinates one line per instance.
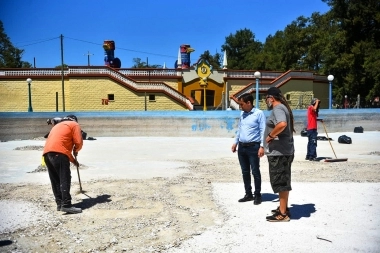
(64, 138)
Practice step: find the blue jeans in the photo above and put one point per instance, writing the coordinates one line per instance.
(312, 143)
(249, 159)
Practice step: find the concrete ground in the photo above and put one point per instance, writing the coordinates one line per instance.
(126, 156)
(329, 216)
(326, 217)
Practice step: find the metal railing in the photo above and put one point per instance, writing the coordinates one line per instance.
(87, 70)
(278, 81)
(147, 72)
(33, 72)
(251, 74)
(136, 85)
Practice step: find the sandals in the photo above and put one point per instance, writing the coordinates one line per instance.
(279, 217)
(278, 210)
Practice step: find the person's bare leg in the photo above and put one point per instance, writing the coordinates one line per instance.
(283, 201)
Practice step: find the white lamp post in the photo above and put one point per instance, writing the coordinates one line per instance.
(29, 81)
(204, 93)
(330, 78)
(345, 102)
(258, 76)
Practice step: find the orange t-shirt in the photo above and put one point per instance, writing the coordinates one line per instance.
(64, 138)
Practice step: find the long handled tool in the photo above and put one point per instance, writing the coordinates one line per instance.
(80, 184)
(336, 158)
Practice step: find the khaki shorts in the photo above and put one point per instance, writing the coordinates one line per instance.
(280, 172)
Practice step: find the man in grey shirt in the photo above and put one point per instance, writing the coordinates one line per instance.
(279, 148)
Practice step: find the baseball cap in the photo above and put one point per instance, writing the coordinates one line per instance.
(72, 117)
(273, 91)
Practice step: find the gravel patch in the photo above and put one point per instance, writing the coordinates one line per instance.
(16, 215)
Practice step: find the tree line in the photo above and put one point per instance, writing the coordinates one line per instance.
(344, 42)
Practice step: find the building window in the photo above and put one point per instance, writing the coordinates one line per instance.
(287, 96)
(111, 97)
(152, 97)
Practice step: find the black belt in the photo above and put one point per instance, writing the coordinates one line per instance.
(245, 144)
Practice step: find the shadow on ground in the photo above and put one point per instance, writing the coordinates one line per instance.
(269, 197)
(301, 211)
(5, 243)
(90, 202)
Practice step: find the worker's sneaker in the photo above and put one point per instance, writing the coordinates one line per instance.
(246, 198)
(313, 159)
(58, 207)
(278, 217)
(71, 209)
(307, 158)
(278, 210)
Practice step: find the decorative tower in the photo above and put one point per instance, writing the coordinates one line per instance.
(184, 56)
(109, 58)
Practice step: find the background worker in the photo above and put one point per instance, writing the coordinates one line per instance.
(279, 148)
(64, 138)
(57, 120)
(250, 140)
(312, 133)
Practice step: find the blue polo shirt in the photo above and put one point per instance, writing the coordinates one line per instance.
(251, 127)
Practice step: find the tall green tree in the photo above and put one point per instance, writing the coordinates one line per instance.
(60, 66)
(357, 64)
(271, 56)
(138, 63)
(10, 56)
(315, 39)
(214, 60)
(294, 41)
(242, 49)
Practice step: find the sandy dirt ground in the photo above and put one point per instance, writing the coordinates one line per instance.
(142, 215)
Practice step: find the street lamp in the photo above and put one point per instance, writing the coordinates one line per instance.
(345, 102)
(204, 93)
(330, 78)
(258, 76)
(29, 81)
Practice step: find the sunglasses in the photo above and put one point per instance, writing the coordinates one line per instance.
(269, 96)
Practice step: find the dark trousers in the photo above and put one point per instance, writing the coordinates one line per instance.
(312, 143)
(60, 177)
(249, 160)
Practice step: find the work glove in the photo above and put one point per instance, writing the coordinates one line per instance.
(75, 153)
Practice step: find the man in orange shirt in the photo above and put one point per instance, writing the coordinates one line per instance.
(65, 137)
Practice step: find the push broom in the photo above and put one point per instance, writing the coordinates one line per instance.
(336, 158)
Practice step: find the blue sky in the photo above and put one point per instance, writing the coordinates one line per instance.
(152, 29)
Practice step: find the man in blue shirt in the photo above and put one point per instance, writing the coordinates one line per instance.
(249, 139)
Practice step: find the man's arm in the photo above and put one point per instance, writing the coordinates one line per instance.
(315, 107)
(276, 131)
(236, 141)
(77, 139)
(262, 122)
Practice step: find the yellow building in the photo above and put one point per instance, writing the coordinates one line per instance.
(103, 88)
